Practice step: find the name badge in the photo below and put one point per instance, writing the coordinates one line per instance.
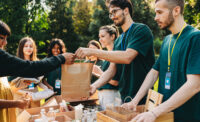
(57, 84)
(31, 86)
(167, 80)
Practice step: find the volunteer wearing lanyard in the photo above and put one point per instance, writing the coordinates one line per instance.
(178, 67)
(168, 74)
(53, 79)
(132, 56)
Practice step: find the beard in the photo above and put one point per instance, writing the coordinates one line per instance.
(120, 23)
(169, 22)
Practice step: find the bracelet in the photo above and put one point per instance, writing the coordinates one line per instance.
(154, 114)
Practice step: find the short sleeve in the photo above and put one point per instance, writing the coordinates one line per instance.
(156, 66)
(193, 65)
(142, 40)
(10, 78)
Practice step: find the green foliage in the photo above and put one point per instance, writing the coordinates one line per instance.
(157, 45)
(75, 21)
(81, 21)
(192, 12)
(15, 14)
(100, 17)
(61, 22)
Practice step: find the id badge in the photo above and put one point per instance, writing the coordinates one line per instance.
(167, 80)
(57, 84)
(31, 86)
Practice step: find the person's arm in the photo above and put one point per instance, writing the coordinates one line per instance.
(181, 96)
(104, 78)
(148, 83)
(97, 71)
(141, 42)
(13, 103)
(176, 100)
(120, 57)
(13, 66)
(46, 83)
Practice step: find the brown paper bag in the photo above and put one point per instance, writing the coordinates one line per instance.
(75, 80)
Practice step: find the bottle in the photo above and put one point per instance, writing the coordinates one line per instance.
(43, 116)
(62, 108)
(38, 120)
(51, 114)
(89, 117)
(84, 117)
(93, 115)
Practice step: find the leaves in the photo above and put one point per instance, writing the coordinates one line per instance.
(75, 21)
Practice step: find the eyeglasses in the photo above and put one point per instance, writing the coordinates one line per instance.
(113, 13)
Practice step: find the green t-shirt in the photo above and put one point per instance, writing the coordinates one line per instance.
(52, 77)
(132, 75)
(94, 78)
(104, 67)
(185, 60)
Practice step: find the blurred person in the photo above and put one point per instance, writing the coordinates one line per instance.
(27, 50)
(108, 94)
(53, 78)
(13, 66)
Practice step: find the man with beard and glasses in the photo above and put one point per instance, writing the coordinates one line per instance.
(132, 56)
(177, 67)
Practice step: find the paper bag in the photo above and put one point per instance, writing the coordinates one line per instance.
(75, 80)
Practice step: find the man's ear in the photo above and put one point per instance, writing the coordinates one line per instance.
(176, 11)
(126, 11)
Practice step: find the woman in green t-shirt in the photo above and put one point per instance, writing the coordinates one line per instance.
(53, 78)
(108, 94)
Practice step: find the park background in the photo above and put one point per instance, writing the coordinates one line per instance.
(76, 22)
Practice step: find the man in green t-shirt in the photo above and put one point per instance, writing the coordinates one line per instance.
(132, 56)
(178, 67)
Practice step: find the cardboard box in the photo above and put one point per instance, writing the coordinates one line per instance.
(63, 119)
(119, 114)
(26, 115)
(110, 116)
(55, 100)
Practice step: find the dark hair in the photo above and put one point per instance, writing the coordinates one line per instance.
(4, 29)
(174, 3)
(60, 43)
(122, 4)
(111, 29)
(20, 53)
(95, 43)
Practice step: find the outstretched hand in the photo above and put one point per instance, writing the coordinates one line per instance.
(83, 52)
(69, 58)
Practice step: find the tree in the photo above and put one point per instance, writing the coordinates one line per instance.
(14, 13)
(25, 17)
(99, 18)
(192, 12)
(61, 23)
(81, 21)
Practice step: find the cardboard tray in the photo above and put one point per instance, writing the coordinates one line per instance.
(113, 116)
(25, 116)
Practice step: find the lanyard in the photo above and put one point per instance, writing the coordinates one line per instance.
(170, 55)
(123, 46)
